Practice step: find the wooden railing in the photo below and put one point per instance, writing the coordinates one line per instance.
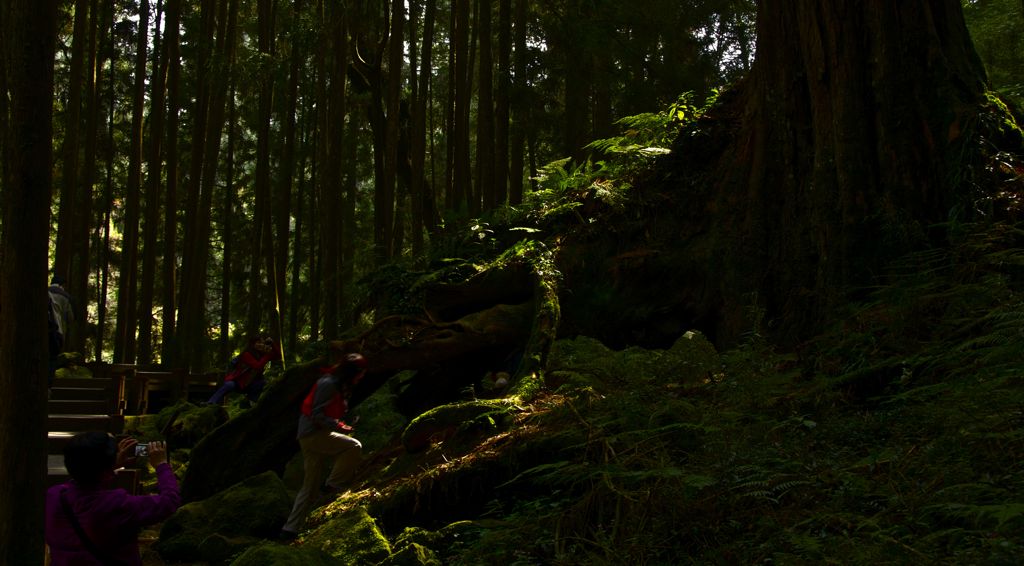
(134, 384)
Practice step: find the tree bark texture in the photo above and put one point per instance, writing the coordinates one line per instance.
(169, 268)
(29, 38)
(846, 152)
(127, 288)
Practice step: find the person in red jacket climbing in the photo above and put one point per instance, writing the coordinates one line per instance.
(324, 436)
(245, 371)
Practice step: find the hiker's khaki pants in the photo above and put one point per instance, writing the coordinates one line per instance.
(317, 450)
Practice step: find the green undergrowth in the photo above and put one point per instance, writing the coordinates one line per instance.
(896, 438)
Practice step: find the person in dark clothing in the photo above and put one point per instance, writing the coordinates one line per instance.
(324, 436)
(246, 376)
(59, 321)
(87, 522)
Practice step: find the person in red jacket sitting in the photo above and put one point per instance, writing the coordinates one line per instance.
(246, 373)
(87, 522)
(324, 436)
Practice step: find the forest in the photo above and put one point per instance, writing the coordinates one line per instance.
(759, 265)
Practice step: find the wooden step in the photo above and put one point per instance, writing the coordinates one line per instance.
(87, 382)
(79, 394)
(77, 406)
(57, 440)
(80, 423)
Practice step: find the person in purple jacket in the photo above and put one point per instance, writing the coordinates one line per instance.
(88, 522)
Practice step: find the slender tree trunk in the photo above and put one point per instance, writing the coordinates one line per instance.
(83, 217)
(70, 149)
(29, 37)
(127, 286)
(266, 300)
(282, 208)
(103, 242)
(461, 183)
(299, 253)
(501, 101)
(151, 227)
(170, 352)
(348, 215)
(485, 111)
(451, 197)
(518, 106)
(227, 223)
(332, 222)
(318, 237)
(424, 209)
(384, 196)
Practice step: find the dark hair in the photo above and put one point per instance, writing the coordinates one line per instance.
(88, 455)
(57, 280)
(350, 366)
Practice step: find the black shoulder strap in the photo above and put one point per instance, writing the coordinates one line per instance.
(86, 541)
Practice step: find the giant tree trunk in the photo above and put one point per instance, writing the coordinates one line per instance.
(27, 40)
(846, 152)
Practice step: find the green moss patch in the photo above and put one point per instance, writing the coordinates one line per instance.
(352, 537)
(223, 525)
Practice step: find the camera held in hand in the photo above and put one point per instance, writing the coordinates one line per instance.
(142, 449)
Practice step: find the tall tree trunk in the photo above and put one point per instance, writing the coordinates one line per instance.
(29, 37)
(331, 195)
(209, 123)
(423, 207)
(318, 237)
(103, 240)
(227, 226)
(485, 111)
(151, 227)
(70, 149)
(384, 196)
(282, 207)
(854, 120)
(83, 217)
(170, 352)
(576, 62)
(300, 252)
(519, 106)
(501, 102)
(461, 182)
(348, 215)
(267, 299)
(127, 286)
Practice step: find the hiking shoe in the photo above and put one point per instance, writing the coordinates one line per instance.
(286, 536)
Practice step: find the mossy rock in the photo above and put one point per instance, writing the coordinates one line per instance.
(270, 554)
(412, 554)
(586, 361)
(453, 421)
(417, 538)
(353, 537)
(254, 508)
(218, 548)
(184, 424)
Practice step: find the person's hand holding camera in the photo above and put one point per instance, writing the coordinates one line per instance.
(125, 452)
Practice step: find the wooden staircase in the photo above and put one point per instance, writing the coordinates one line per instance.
(78, 405)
